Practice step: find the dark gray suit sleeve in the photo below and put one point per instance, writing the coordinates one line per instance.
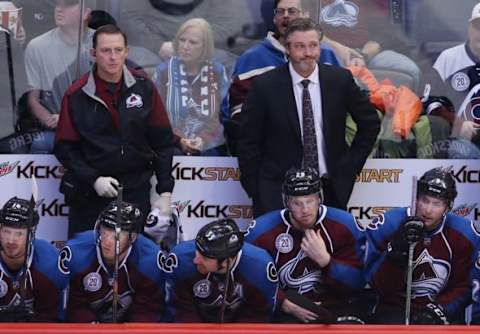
(251, 131)
(368, 125)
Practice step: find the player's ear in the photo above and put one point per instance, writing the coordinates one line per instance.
(93, 53)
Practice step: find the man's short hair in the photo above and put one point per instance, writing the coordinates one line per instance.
(108, 29)
(275, 3)
(303, 24)
(88, 3)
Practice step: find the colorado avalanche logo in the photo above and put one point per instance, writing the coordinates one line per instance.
(430, 275)
(305, 282)
(134, 100)
(470, 107)
(340, 13)
(167, 263)
(376, 222)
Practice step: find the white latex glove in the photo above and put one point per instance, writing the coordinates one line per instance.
(106, 186)
(164, 204)
(157, 225)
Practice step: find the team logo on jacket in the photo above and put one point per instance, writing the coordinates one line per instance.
(92, 282)
(460, 81)
(134, 100)
(430, 275)
(284, 243)
(3, 288)
(202, 289)
(304, 282)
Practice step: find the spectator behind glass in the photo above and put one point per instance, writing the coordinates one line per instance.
(50, 62)
(153, 23)
(261, 58)
(457, 75)
(192, 86)
(37, 16)
(366, 27)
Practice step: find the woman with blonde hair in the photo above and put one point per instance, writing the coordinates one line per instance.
(192, 86)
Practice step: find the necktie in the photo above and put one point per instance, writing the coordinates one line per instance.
(310, 150)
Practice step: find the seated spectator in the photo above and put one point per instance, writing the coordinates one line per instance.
(37, 17)
(51, 66)
(152, 24)
(459, 79)
(192, 86)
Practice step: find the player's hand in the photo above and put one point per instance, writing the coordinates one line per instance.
(431, 314)
(106, 186)
(298, 312)
(413, 229)
(410, 232)
(314, 246)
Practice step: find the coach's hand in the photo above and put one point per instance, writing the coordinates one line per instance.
(106, 186)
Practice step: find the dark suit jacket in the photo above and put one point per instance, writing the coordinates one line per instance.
(271, 141)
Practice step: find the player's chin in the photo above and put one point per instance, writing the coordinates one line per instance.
(202, 270)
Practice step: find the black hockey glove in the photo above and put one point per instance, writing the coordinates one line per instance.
(16, 314)
(410, 232)
(431, 314)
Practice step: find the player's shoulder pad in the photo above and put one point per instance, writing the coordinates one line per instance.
(144, 257)
(78, 253)
(263, 224)
(258, 265)
(45, 259)
(468, 228)
(345, 218)
(180, 260)
(388, 221)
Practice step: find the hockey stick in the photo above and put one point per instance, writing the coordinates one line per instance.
(115, 296)
(225, 293)
(27, 313)
(411, 249)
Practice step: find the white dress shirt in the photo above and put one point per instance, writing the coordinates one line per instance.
(316, 98)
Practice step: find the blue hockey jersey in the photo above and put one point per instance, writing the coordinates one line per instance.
(141, 283)
(442, 263)
(345, 242)
(44, 284)
(193, 297)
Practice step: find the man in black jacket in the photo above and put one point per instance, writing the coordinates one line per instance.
(113, 130)
(272, 126)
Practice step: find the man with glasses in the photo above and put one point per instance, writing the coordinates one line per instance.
(261, 58)
(50, 62)
(295, 115)
(113, 131)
